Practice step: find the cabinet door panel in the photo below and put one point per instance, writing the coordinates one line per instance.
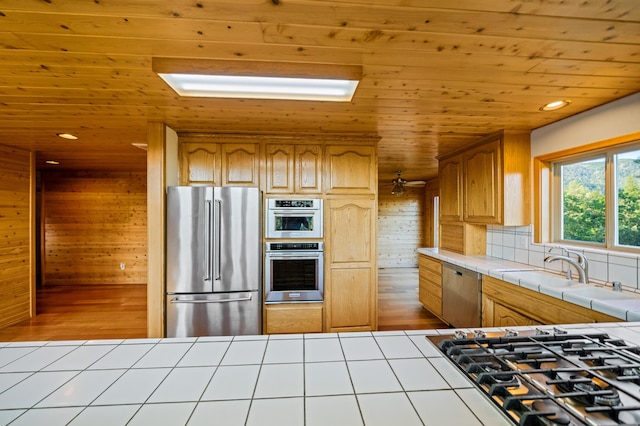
(450, 175)
(240, 165)
(351, 169)
(279, 168)
(505, 317)
(200, 164)
(308, 162)
(351, 304)
(482, 184)
(293, 318)
(350, 228)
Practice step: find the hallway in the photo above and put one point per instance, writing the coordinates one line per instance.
(94, 312)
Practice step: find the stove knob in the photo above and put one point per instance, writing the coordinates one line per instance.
(459, 334)
(480, 334)
(510, 332)
(542, 332)
(558, 330)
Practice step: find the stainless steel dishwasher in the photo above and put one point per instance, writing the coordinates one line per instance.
(461, 296)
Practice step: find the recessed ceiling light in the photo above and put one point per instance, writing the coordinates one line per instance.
(552, 106)
(52, 162)
(67, 136)
(252, 87)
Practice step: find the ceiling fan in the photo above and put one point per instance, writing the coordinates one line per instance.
(399, 184)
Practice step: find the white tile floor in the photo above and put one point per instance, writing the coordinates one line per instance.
(313, 380)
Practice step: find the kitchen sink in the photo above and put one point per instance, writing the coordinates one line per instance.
(542, 278)
(599, 293)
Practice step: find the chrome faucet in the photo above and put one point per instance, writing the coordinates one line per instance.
(581, 264)
(582, 260)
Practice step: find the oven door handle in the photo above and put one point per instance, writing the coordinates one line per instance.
(294, 257)
(294, 212)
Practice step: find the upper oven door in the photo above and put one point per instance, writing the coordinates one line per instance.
(293, 222)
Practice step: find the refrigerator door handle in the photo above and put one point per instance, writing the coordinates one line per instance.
(207, 241)
(218, 239)
(188, 300)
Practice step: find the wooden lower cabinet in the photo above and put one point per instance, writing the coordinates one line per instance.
(430, 284)
(293, 318)
(506, 304)
(501, 316)
(351, 303)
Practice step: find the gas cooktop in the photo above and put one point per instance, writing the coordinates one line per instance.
(550, 377)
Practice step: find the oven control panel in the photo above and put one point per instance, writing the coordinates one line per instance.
(295, 246)
(298, 204)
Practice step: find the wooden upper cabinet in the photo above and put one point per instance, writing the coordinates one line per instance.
(482, 184)
(351, 169)
(450, 177)
(280, 168)
(219, 164)
(497, 180)
(240, 164)
(294, 169)
(200, 164)
(488, 183)
(308, 169)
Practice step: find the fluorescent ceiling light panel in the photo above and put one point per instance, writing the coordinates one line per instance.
(252, 87)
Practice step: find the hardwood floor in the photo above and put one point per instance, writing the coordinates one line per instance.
(84, 313)
(398, 305)
(119, 311)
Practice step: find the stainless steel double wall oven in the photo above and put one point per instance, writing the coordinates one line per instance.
(294, 254)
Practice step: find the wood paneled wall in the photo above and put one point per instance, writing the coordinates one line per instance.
(16, 251)
(400, 226)
(94, 221)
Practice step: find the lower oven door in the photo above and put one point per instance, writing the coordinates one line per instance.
(294, 277)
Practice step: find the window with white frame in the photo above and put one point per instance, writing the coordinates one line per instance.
(596, 198)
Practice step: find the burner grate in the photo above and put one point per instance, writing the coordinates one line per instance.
(552, 378)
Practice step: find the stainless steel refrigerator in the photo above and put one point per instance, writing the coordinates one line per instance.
(214, 261)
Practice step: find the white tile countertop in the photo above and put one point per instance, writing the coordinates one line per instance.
(379, 378)
(349, 379)
(596, 296)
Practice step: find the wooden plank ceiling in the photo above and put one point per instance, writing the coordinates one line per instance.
(437, 74)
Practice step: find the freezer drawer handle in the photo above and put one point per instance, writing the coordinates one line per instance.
(240, 299)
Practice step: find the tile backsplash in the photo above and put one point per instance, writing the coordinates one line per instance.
(514, 243)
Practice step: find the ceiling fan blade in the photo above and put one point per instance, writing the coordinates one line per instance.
(415, 183)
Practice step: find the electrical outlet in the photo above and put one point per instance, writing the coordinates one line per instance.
(122, 266)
